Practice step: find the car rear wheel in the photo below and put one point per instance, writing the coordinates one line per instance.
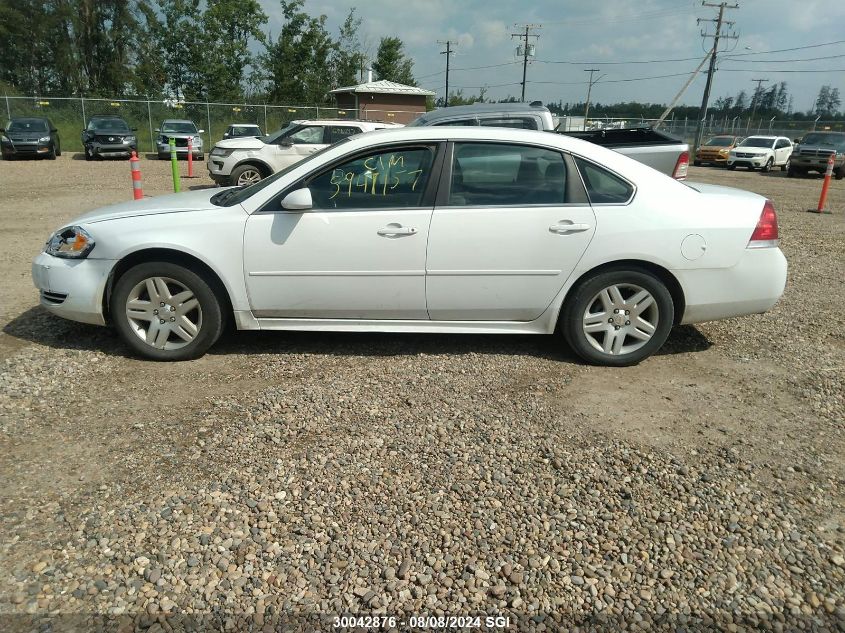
(246, 175)
(617, 317)
(166, 312)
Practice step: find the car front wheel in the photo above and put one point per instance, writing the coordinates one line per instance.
(245, 175)
(617, 317)
(166, 312)
(768, 166)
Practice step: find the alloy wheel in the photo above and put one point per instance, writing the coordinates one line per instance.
(164, 313)
(248, 177)
(620, 319)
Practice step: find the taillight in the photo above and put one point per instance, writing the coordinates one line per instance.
(681, 167)
(766, 232)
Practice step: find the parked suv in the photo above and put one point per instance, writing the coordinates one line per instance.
(108, 135)
(812, 154)
(715, 151)
(761, 152)
(244, 161)
(30, 136)
(240, 130)
(182, 131)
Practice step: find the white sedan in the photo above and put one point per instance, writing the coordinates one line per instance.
(476, 230)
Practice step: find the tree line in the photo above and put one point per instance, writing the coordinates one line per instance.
(191, 50)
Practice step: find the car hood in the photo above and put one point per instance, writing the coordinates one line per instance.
(173, 203)
(241, 143)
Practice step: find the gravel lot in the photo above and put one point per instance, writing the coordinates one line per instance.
(297, 476)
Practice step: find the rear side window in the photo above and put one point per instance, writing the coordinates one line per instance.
(490, 174)
(520, 123)
(460, 122)
(602, 186)
(339, 132)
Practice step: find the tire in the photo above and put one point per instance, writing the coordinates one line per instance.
(52, 154)
(731, 167)
(200, 157)
(172, 343)
(250, 174)
(59, 149)
(585, 307)
(791, 172)
(88, 154)
(839, 173)
(697, 163)
(768, 166)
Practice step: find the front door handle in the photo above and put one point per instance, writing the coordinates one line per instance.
(566, 226)
(393, 230)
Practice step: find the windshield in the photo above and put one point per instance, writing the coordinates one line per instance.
(275, 136)
(108, 125)
(720, 141)
(757, 142)
(28, 125)
(833, 140)
(179, 127)
(236, 195)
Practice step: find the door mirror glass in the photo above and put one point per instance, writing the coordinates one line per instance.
(299, 200)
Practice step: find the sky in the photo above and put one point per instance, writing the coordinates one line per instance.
(595, 34)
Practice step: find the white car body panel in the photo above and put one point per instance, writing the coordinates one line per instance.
(492, 269)
(757, 157)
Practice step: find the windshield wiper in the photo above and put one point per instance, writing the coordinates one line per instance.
(224, 196)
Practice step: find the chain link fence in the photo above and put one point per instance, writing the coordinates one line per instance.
(70, 115)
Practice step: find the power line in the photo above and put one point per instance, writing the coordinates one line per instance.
(525, 49)
(784, 50)
(782, 70)
(448, 53)
(781, 61)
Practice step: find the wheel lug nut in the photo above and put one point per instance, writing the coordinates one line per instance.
(162, 322)
(173, 308)
(172, 318)
(616, 312)
(610, 320)
(627, 312)
(155, 311)
(161, 305)
(627, 323)
(615, 327)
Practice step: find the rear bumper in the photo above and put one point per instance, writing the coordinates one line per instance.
(72, 288)
(752, 286)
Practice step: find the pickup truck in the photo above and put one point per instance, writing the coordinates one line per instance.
(813, 152)
(661, 151)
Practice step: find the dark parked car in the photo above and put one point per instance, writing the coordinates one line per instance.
(34, 137)
(108, 135)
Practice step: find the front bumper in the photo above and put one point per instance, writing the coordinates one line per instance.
(712, 158)
(25, 149)
(755, 161)
(164, 148)
(815, 163)
(752, 286)
(118, 149)
(72, 288)
(219, 168)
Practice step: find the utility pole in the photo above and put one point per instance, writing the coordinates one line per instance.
(448, 53)
(702, 115)
(526, 49)
(756, 97)
(589, 90)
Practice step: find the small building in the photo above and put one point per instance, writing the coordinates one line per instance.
(383, 101)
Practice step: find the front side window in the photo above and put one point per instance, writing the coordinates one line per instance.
(311, 135)
(394, 178)
(603, 187)
(492, 174)
(338, 132)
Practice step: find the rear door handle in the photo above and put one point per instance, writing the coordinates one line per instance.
(392, 230)
(565, 226)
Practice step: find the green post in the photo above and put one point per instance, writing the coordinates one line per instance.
(174, 165)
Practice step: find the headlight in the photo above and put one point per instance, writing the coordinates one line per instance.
(222, 152)
(5, 138)
(72, 242)
(197, 140)
(44, 139)
(129, 139)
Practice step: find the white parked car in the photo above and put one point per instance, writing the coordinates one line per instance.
(761, 152)
(475, 230)
(246, 160)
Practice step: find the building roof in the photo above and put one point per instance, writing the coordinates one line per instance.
(385, 87)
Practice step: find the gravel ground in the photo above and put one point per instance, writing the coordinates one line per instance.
(296, 476)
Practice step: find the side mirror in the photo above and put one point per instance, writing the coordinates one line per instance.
(796, 140)
(201, 132)
(285, 143)
(54, 130)
(134, 129)
(299, 200)
(158, 130)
